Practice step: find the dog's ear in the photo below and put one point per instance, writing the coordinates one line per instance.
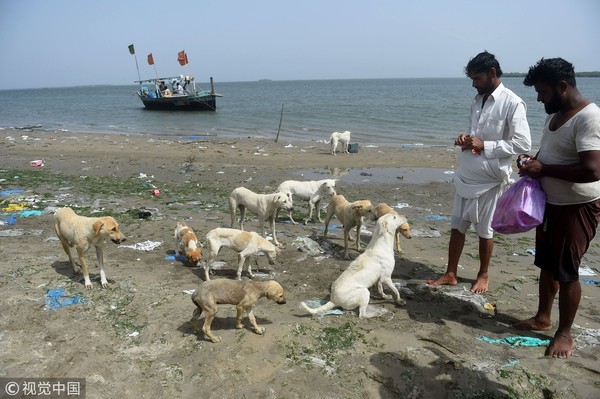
(97, 226)
(357, 207)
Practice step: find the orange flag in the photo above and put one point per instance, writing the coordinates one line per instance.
(182, 58)
(150, 59)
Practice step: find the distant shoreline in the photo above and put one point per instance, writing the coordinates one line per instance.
(594, 74)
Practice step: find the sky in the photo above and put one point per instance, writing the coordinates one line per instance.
(61, 43)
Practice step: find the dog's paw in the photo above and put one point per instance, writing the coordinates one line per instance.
(401, 302)
(215, 338)
(260, 330)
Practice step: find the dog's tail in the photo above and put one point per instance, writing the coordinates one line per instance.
(328, 306)
(328, 141)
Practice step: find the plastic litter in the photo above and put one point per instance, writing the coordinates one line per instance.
(180, 258)
(437, 217)
(308, 245)
(587, 337)
(6, 193)
(26, 214)
(9, 221)
(517, 341)
(21, 206)
(425, 234)
(530, 251)
(586, 271)
(143, 246)
(36, 163)
(320, 302)
(56, 299)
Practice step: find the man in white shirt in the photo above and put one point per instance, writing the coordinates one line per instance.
(498, 129)
(568, 164)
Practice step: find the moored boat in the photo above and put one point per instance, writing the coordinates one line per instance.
(183, 95)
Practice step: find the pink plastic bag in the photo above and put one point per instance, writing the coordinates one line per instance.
(520, 208)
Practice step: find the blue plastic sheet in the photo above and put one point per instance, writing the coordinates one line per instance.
(56, 299)
(517, 341)
(173, 258)
(6, 193)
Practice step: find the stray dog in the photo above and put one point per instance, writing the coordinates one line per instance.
(187, 242)
(404, 229)
(241, 294)
(311, 191)
(350, 215)
(374, 266)
(343, 138)
(246, 243)
(82, 233)
(265, 206)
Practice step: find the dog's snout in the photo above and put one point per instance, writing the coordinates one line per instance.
(119, 240)
(281, 301)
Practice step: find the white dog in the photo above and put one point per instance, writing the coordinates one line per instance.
(187, 242)
(265, 206)
(343, 138)
(404, 229)
(246, 243)
(349, 214)
(374, 266)
(311, 191)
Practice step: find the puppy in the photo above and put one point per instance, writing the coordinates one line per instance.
(265, 206)
(404, 229)
(343, 138)
(350, 215)
(241, 294)
(311, 191)
(246, 243)
(374, 266)
(82, 233)
(187, 242)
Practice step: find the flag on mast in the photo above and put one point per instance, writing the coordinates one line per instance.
(150, 59)
(182, 58)
(131, 49)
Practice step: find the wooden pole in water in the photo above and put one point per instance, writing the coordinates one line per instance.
(279, 128)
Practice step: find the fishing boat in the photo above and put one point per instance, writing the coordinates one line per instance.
(183, 94)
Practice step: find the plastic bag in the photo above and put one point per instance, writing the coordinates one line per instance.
(520, 208)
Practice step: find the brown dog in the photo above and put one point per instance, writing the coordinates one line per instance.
(187, 242)
(232, 292)
(82, 233)
(404, 229)
(349, 214)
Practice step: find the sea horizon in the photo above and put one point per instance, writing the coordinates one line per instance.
(382, 111)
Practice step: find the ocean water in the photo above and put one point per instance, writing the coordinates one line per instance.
(392, 112)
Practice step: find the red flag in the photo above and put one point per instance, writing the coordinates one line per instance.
(150, 59)
(182, 58)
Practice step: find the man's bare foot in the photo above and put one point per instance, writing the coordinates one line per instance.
(532, 324)
(561, 347)
(481, 284)
(446, 279)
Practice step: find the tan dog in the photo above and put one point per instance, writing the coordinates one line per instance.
(187, 242)
(246, 243)
(374, 266)
(349, 215)
(312, 191)
(232, 292)
(404, 229)
(343, 138)
(82, 233)
(265, 206)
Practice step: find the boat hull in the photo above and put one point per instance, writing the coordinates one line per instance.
(183, 103)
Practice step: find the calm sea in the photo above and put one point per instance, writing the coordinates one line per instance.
(392, 112)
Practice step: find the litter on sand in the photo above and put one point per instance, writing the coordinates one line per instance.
(320, 302)
(143, 246)
(517, 341)
(180, 258)
(586, 271)
(56, 299)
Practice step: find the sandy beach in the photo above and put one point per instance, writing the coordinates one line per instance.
(134, 339)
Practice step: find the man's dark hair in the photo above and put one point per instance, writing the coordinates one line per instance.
(551, 71)
(483, 62)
